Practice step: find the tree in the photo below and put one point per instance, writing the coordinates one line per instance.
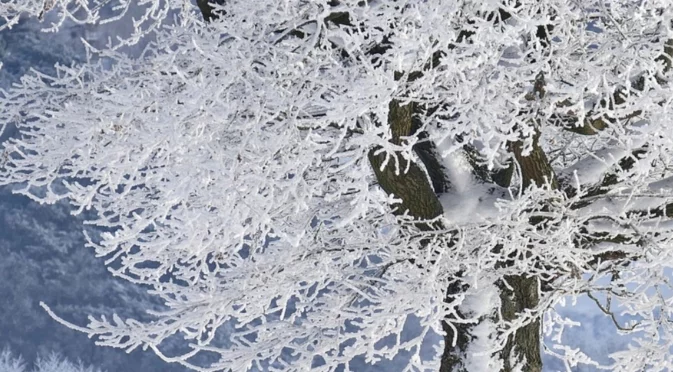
(51, 363)
(300, 180)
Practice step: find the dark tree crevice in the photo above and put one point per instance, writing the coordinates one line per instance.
(208, 10)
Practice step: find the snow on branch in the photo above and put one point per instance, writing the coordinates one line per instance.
(271, 175)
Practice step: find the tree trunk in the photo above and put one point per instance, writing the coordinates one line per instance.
(525, 344)
(419, 200)
(417, 195)
(207, 10)
(521, 292)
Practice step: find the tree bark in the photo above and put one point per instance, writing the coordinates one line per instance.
(419, 200)
(521, 292)
(417, 196)
(524, 346)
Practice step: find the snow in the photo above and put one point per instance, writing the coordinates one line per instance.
(50, 363)
(482, 300)
(591, 169)
(200, 164)
(480, 304)
(478, 353)
(469, 200)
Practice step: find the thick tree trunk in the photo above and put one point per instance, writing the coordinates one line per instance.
(522, 292)
(525, 345)
(412, 187)
(418, 199)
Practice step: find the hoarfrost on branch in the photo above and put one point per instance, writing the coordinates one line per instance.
(243, 169)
